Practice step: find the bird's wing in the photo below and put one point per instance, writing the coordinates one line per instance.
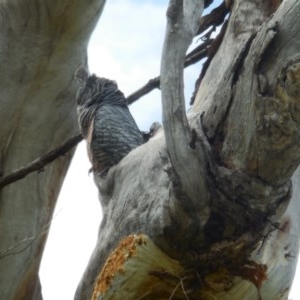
(115, 134)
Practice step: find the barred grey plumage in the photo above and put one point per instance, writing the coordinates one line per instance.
(105, 121)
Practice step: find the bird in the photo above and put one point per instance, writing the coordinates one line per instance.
(105, 121)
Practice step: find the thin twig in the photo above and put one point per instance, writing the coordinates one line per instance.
(174, 291)
(147, 88)
(198, 53)
(215, 18)
(183, 289)
(39, 163)
(10, 251)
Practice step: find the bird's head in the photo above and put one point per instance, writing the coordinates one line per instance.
(95, 90)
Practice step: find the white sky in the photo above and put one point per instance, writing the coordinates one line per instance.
(126, 46)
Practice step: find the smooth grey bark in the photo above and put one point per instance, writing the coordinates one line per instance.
(182, 26)
(42, 43)
(238, 237)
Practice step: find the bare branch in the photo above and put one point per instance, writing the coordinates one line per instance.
(183, 18)
(39, 163)
(215, 18)
(147, 88)
(193, 57)
(198, 53)
(179, 35)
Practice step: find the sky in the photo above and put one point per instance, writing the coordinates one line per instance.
(125, 46)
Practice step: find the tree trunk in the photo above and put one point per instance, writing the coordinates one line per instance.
(206, 209)
(42, 43)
